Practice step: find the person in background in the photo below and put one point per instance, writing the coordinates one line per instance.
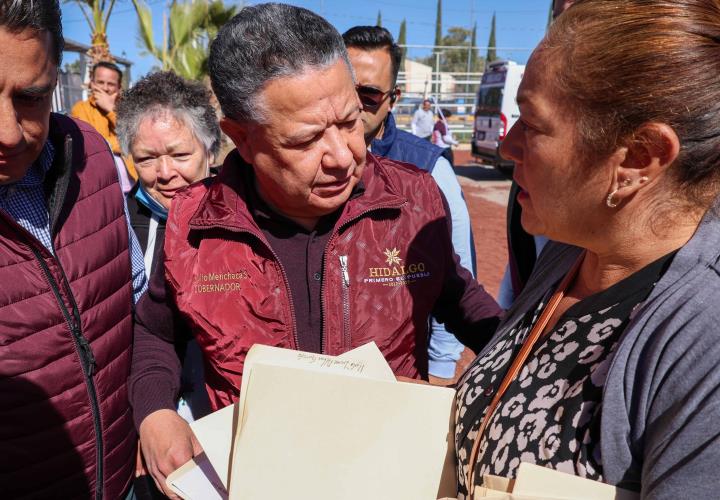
(442, 136)
(169, 128)
(523, 248)
(99, 111)
(612, 347)
(376, 61)
(303, 241)
(71, 271)
(422, 121)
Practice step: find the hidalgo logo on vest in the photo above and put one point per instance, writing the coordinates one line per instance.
(396, 273)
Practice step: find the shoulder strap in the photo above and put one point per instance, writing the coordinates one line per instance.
(517, 364)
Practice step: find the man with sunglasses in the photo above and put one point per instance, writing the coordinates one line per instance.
(376, 61)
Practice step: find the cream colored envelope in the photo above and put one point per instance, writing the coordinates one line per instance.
(534, 482)
(542, 481)
(215, 432)
(312, 436)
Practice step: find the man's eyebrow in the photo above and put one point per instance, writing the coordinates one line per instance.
(39, 90)
(304, 132)
(351, 110)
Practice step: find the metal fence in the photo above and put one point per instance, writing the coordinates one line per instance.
(68, 91)
(453, 92)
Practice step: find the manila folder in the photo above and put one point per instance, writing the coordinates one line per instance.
(309, 435)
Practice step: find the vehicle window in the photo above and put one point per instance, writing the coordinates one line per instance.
(489, 100)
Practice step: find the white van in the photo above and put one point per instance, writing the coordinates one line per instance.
(496, 111)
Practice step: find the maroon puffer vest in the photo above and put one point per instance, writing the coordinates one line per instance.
(65, 333)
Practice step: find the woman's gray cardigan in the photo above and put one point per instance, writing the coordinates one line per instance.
(660, 429)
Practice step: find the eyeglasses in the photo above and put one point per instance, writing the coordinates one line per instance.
(370, 97)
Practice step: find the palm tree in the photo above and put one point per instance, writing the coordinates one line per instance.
(97, 14)
(187, 33)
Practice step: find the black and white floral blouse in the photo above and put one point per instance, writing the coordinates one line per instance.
(550, 415)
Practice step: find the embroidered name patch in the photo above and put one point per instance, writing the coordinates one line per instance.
(222, 282)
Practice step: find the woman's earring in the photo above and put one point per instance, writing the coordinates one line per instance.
(609, 200)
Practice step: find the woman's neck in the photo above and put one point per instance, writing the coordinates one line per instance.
(603, 268)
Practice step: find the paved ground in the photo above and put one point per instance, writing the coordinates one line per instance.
(486, 192)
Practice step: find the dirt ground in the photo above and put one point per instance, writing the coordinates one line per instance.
(486, 193)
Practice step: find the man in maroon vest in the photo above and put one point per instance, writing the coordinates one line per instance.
(304, 240)
(66, 282)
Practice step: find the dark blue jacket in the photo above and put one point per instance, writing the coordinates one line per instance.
(402, 146)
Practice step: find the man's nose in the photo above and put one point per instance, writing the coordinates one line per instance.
(509, 147)
(11, 132)
(338, 154)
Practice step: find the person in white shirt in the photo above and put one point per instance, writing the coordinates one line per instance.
(423, 121)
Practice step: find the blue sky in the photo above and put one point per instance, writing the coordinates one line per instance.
(520, 23)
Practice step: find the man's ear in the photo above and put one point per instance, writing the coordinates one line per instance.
(395, 96)
(239, 133)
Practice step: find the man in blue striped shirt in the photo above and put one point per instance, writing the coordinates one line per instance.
(70, 271)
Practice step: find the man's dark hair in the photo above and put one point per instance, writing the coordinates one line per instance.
(263, 43)
(375, 37)
(108, 65)
(40, 15)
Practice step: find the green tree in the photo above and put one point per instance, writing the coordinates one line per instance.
(187, 33)
(456, 60)
(402, 40)
(97, 14)
(491, 52)
(473, 44)
(379, 19)
(472, 55)
(73, 67)
(438, 24)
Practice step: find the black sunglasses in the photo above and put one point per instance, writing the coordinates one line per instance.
(371, 97)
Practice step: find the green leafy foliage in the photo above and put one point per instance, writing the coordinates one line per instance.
(491, 52)
(402, 39)
(187, 32)
(97, 14)
(456, 60)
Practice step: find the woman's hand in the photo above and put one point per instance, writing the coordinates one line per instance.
(167, 443)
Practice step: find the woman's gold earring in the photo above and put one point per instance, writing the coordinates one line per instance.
(609, 201)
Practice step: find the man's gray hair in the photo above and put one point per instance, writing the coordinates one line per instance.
(265, 42)
(39, 15)
(165, 92)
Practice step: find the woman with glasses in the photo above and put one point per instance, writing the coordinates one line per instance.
(606, 366)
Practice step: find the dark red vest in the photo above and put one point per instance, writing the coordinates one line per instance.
(66, 332)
